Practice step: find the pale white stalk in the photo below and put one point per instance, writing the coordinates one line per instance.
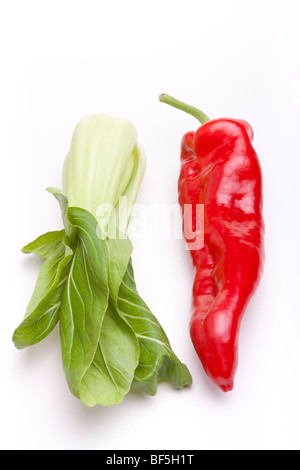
(104, 163)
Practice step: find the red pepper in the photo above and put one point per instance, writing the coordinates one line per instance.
(220, 170)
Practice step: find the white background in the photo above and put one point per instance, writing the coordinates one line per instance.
(62, 60)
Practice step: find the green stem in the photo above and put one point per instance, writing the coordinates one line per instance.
(164, 98)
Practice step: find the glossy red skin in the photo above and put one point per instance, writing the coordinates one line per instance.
(220, 169)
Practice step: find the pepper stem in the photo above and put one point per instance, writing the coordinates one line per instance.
(164, 98)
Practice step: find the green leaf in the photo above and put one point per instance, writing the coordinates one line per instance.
(42, 312)
(100, 351)
(111, 373)
(62, 199)
(118, 256)
(86, 228)
(157, 360)
(84, 301)
(46, 244)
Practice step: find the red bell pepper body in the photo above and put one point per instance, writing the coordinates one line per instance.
(221, 171)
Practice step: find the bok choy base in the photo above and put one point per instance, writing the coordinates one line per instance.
(110, 340)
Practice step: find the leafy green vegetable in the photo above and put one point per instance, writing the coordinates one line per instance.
(84, 304)
(110, 340)
(111, 373)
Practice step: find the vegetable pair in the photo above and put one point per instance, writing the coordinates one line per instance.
(110, 340)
